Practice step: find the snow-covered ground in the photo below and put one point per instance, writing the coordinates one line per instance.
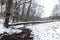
(45, 31)
(8, 30)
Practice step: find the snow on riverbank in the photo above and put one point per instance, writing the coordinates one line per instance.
(45, 31)
(8, 30)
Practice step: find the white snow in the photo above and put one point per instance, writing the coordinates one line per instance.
(8, 30)
(45, 31)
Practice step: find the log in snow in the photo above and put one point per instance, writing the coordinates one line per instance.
(29, 22)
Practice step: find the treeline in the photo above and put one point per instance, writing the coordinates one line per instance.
(19, 10)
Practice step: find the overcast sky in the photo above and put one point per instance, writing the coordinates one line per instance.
(48, 6)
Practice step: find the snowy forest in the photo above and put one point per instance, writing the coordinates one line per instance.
(29, 19)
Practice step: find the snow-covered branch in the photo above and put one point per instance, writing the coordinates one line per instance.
(29, 22)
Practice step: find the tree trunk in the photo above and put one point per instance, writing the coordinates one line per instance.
(16, 14)
(8, 6)
(22, 17)
(28, 11)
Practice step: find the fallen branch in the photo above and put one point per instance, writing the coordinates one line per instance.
(29, 22)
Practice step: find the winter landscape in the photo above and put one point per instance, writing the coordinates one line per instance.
(29, 19)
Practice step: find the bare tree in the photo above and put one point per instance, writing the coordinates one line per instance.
(2, 3)
(28, 11)
(8, 6)
(16, 14)
(22, 17)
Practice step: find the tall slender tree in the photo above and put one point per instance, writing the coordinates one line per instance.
(22, 17)
(28, 11)
(8, 6)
